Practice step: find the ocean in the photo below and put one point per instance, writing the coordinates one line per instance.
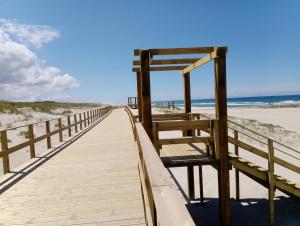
(243, 101)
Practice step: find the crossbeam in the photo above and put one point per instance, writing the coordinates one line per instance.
(200, 62)
(169, 61)
(162, 68)
(175, 51)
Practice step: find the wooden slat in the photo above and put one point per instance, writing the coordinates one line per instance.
(188, 160)
(185, 140)
(183, 125)
(162, 68)
(4, 152)
(175, 51)
(169, 61)
(199, 62)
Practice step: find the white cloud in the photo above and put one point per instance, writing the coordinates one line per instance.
(23, 76)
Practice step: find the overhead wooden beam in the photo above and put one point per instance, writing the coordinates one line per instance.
(174, 51)
(163, 68)
(169, 61)
(200, 62)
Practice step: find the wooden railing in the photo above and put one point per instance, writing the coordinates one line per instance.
(80, 122)
(164, 204)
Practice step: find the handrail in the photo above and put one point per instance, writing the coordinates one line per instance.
(164, 204)
(90, 118)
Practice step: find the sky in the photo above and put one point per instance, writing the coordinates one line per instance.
(82, 51)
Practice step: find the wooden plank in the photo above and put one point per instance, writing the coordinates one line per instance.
(146, 92)
(174, 51)
(287, 165)
(48, 132)
(188, 160)
(237, 174)
(183, 125)
(162, 68)
(199, 62)
(185, 140)
(80, 119)
(222, 134)
(69, 126)
(4, 147)
(31, 141)
(75, 123)
(169, 61)
(60, 135)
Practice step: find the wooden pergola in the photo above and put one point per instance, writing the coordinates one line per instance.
(147, 62)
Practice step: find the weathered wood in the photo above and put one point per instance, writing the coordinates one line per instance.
(222, 134)
(162, 68)
(88, 118)
(199, 62)
(237, 176)
(183, 125)
(191, 182)
(174, 51)
(146, 92)
(31, 140)
(60, 135)
(69, 126)
(169, 61)
(271, 182)
(48, 134)
(139, 95)
(5, 156)
(155, 137)
(80, 119)
(185, 140)
(84, 118)
(188, 160)
(75, 123)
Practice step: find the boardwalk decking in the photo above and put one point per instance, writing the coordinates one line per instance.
(94, 181)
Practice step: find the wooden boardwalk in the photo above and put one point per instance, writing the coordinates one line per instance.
(94, 181)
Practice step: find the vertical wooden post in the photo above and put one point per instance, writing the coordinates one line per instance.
(237, 174)
(222, 136)
(201, 184)
(75, 123)
(31, 139)
(84, 117)
(156, 137)
(60, 135)
(48, 134)
(5, 157)
(187, 110)
(271, 182)
(88, 118)
(139, 95)
(146, 92)
(69, 125)
(80, 119)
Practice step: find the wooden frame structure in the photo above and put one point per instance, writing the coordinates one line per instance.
(185, 66)
(133, 102)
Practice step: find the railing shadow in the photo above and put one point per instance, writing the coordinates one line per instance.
(39, 161)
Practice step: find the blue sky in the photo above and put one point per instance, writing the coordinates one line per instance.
(95, 41)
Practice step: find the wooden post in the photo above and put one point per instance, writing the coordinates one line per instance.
(191, 187)
(88, 118)
(222, 136)
(155, 137)
(84, 118)
(31, 139)
(139, 95)
(60, 135)
(5, 157)
(48, 134)
(237, 174)
(69, 123)
(80, 119)
(201, 184)
(271, 182)
(75, 122)
(146, 92)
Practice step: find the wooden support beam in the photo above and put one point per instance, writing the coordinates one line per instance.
(48, 134)
(201, 184)
(69, 126)
(169, 61)
(162, 68)
(271, 182)
(31, 140)
(200, 62)
(80, 119)
(222, 136)
(184, 140)
(146, 92)
(237, 174)
(191, 182)
(175, 51)
(5, 156)
(60, 135)
(139, 95)
(187, 93)
(75, 122)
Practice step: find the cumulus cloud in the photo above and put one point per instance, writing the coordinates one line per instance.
(23, 76)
